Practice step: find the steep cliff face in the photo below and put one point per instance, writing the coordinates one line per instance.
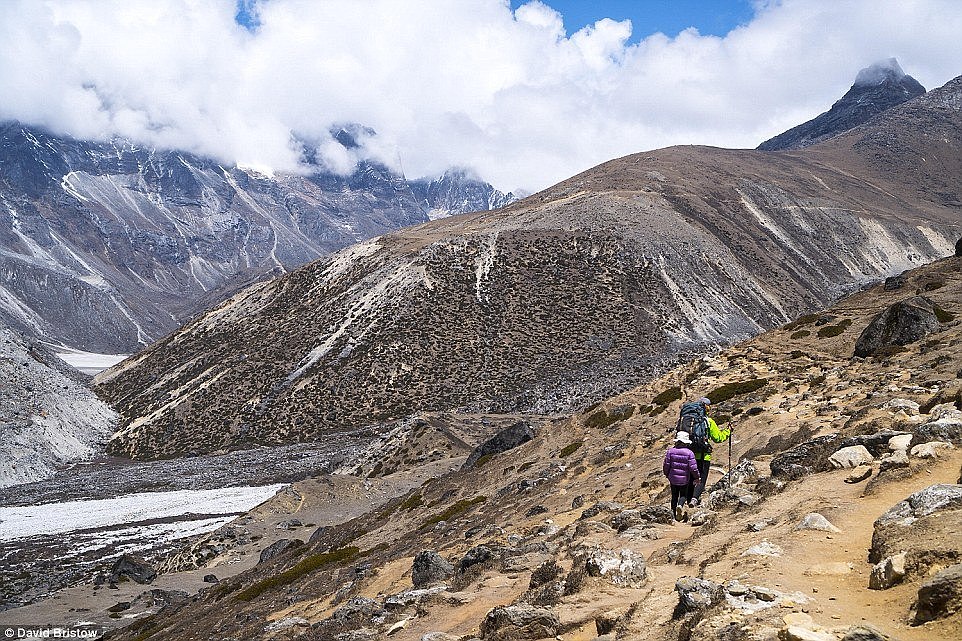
(107, 247)
(566, 296)
(877, 88)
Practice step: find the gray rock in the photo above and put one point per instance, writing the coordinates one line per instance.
(932, 449)
(815, 521)
(805, 458)
(586, 528)
(900, 442)
(865, 632)
(474, 556)
(940, 596)
(696, 594)
(286, 624)
(410, 597)
(922, 503)
(642, 516)
(157, 599)
(278, 547)
(877, 443)
(430, 567)
(520, 622)
(505, 440)
(735, 588)
(744, 472)
(887, 573)
(764, 594)
(895, 460)
(626, 569)
(903, 323)
(641, 532)
(318, 533)
(701, 517)
(602, 506)
(851, 456)
(859, 474)
(211, 578)
(134, 568)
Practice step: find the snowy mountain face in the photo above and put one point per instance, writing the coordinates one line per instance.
(877, 88)
(48, 416)
(456, 191)
(107, 247)
(557, 300)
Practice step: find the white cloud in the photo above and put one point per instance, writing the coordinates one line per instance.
(446, 82)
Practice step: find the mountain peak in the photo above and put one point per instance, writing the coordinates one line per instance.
(877, 88)
(879, 72)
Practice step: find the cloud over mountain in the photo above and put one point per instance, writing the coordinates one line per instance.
(467, 83)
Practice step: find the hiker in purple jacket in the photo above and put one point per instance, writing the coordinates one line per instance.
(681, 467)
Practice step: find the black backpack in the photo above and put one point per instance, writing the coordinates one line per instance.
(694, 421)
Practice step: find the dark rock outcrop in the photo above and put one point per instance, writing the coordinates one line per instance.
(519, 622)
(278, 547)
(903, 323)
(133, 568)
(507, 439)
(476, 555)
(806, 458)
(877, 88)
(430, 567)
(940, 596)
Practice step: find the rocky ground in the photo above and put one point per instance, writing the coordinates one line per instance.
(48, 415)
(840, 521)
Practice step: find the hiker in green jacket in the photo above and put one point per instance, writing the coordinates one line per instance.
(703, 457)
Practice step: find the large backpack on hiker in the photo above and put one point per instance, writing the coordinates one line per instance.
(694, 421)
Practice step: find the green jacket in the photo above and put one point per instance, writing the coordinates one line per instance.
(716, 434)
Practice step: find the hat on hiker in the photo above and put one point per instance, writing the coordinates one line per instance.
(682, 437)
(704, 400)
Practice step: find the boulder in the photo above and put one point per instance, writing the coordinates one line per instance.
(802, 633)
(625, 568)
(922, 503)
(602, 506)
(696, 594)
(865, 632)
(764, 594)
(744, 472)
(903, 323)
(286, 624)
(946, 426)
(932, 449)
(905, 405)
(815, 521)
(887, 573)
(940, 596)
(900, 442)
(896, 459)
(851, 456)
(156, 599)
(859, 474)
(877, 443)
(211, 578)
(278, 547)
(642, 516)
(134, 568)
(806, 458)
(474, 556)
(430, 567)
(520, 622)
(507, 439)
(408, 598)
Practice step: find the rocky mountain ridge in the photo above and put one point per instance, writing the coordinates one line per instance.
(837, 520)
(557, 300)
(108, 246)
(877, 88)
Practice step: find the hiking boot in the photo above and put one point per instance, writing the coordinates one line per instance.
(678, 513)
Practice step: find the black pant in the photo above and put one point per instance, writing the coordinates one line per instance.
(677, 491)
(695, 489)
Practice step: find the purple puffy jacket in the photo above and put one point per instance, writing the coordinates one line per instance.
(680, 466)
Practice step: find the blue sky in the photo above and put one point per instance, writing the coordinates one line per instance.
(710, 17)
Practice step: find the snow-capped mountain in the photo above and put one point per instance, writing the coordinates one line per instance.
(109, 246)
(457, 191)
(877, 88)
